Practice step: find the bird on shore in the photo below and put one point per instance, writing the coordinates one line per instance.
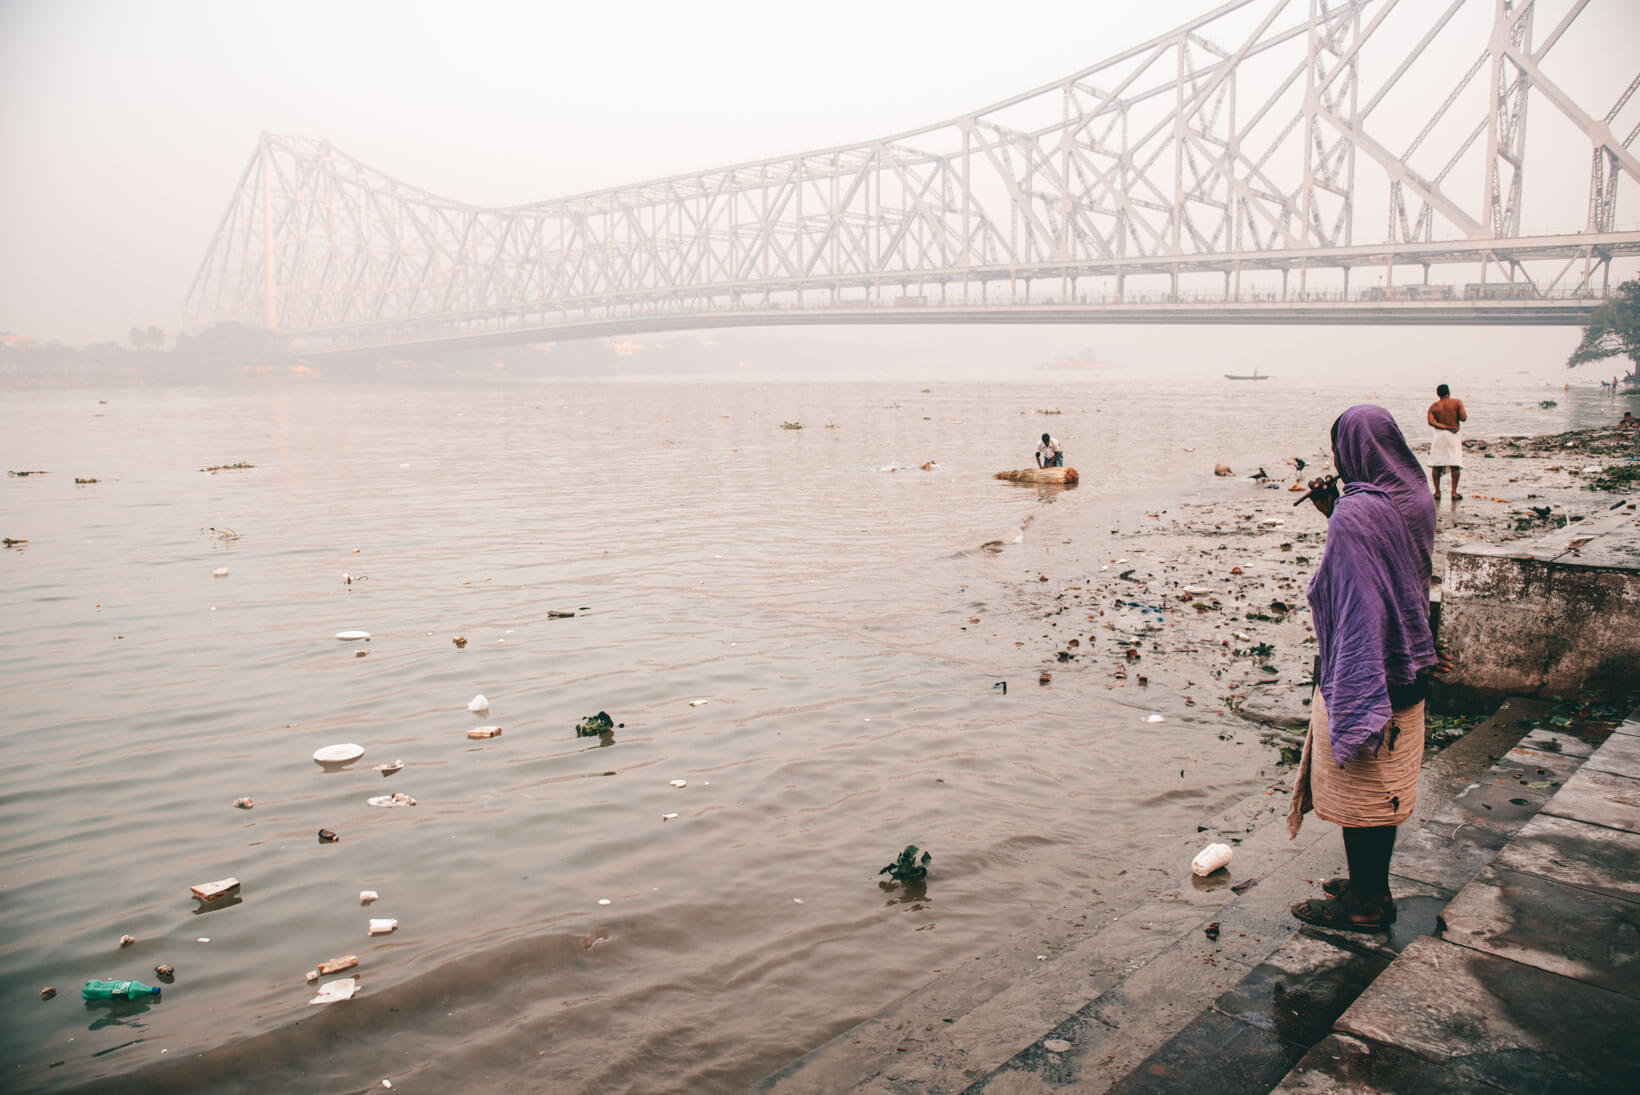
(1260, 475)
(1543, 512)
(1298, 467)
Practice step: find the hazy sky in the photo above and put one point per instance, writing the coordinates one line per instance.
(125, 126)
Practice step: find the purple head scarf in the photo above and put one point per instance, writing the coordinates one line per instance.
(1370, 596)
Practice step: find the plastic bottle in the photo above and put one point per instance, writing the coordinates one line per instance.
(117, 990)
(1210, 859)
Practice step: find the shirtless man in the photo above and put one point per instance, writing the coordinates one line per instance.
(1446, 451)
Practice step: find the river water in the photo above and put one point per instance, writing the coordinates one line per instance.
(816, 587)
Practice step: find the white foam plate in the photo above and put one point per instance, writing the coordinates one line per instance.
(349, 636)
(338, 754)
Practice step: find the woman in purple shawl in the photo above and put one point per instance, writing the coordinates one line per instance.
(1370, 603)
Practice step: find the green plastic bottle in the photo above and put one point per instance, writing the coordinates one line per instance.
(117, 990)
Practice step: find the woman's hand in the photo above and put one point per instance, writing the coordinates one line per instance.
(1324, 493)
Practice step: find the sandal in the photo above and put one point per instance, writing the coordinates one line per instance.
(1330, 913)
(1338, 887)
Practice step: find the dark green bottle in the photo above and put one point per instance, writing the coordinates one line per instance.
(118, 990)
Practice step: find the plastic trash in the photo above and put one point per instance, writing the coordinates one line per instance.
(697, 703)
(118, 990)
(398, 799)
(220, 572)
(127, 940)
(390, 767)
(1211, 858)
(350, 636)
(327, 837)
(480, 732)
(345, 753)
(244, 803)
(1154, 718)
(368, 896)
(342, 988)
(165, 971)
(48, 992)
(677, 782)
(478, 705)
(214, 891)
(383, 926)
(338, 964)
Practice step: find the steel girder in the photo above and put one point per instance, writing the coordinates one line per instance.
(1241, 142)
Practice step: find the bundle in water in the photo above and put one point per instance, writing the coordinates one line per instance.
(1065, 477)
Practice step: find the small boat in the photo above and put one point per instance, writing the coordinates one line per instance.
(1255, 376)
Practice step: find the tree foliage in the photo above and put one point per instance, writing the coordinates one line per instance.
(1613, 328)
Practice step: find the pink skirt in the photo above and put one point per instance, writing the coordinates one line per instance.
(1371, 790)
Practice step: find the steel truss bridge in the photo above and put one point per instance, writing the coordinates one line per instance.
(1271, 161)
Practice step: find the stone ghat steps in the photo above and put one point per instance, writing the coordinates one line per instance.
(1530, 983)
(1509, 970)
(1107, 1007)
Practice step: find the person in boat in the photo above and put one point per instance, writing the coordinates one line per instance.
(1446, 450)
(1370, 603)
(1049, 454)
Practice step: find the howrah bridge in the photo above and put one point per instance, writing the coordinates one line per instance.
(1270, 161)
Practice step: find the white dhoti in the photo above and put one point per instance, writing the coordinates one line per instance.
(1445, 450)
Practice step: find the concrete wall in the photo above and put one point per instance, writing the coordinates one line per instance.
(1544, 617)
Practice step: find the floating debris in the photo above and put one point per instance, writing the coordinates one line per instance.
(244, 803)
(165, 972)
(389, 767)
(678, 783)
(382, 926)
(480, 732)
(215, 891)
(220, 572)
(459, 640)
(337, 965)
(1056, 1045)
(478, 705)
(399, 799)
(353, 636)
(1211, 858)
(327, 837)
(214, 468)
(698, 703)
(127, 940)
(368, 896)
(48, 992)
(591, 726)
(330, 992)
(345, 753)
